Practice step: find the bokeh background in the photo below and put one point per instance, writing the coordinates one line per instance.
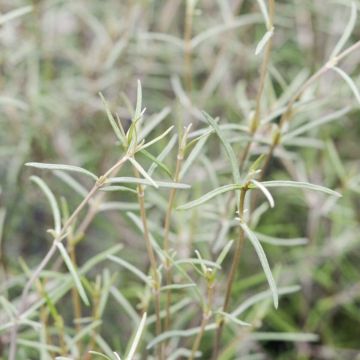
(57, 56)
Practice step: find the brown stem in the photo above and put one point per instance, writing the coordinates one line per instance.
(74, 293)
(233, 270)
(205, 318)
(153, 262)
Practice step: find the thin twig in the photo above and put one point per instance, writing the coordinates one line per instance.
(233, 270)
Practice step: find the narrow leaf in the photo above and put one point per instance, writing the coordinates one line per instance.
(141, 170)
(224, 252)
(163, 154)
(347, 32)
(73, 272)
(99, 354)
(158, 138)
(137, 337)
(193, 154)
(264, 40)
(234, 319)
(155, 160)
(281, 242)
(349, 81)
(137, 114)
(52, 201)
(300, 185)
(210, 195)
(264, 262)
(264, 11)
(265, 191)
(177, 286)
(114, 125)
(228, 149)
(131, 268)
(262, 296)
(131, 180)
(62, 167)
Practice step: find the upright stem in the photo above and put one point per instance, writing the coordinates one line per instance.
(153, 262)
(187, 44)
(166, 240)
(205, 318)
(255, 121)
(233, 269)
(74, 293)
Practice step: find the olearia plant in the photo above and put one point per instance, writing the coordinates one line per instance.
(192, 211)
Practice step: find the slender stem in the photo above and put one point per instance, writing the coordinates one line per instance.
(233, 270)
(95, 316)
(51, 252)
(74, 293)
(255, 122)
(205, 318)
(166, 239)
(153, 262)
(187, 44)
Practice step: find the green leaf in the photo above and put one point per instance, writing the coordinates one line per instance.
(228, 149)
(279, 336)
(178, 333)
(265, 191)
(281, 242)
(347, 32)
(155, 160)
(137, 337)
(262, 296)
(119, 134)
(73, 272)
(118, 188)
(52, 201)
(118, 205)
(194, 154)
(264, 40)
(131, 268)
(264, 12)
(99, 354)
(71, 168)
(349, 81)
(158, 138)
(224, 252)
(138, 108)
(233, 319)
(177, 286)
(132, 180)
(141, 170)
(256, 164)
(300, 185)
(264, 262)
(210, 195)
(163, 153)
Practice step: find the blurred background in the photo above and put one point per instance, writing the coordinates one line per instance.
(56, 56)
